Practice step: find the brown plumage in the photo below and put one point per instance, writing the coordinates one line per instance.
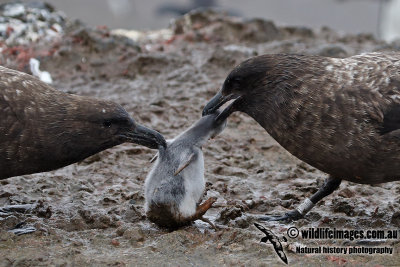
(43, 129)
(341, 116)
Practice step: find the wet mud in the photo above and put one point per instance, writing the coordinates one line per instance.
(91, 213)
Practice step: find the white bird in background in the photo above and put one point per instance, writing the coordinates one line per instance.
(120, 7)
(44, 76)
(390, 25)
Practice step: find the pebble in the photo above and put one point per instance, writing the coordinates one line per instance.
(23, 23)
(115, 242)
(134, 235)
(396, 218)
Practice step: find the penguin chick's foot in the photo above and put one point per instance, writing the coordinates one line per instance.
(209, 222)
(202, 209)
(293, 215)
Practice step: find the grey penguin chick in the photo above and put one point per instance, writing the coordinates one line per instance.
(175, 185)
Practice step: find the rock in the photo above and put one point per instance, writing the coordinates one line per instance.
(9, 222)
(299, 31)
(23, 23)
(5, 236)
(259, 31)
(209, 25)
(229, 213)
(43, 209)
(134, 235)
(152, 64)
(121, 230)
(346, 193)
(396, 219)
(96, 220)
(250, 203)
(243, 221)
(13, 10)
(341, 205)
(132, 214)
(115, 242)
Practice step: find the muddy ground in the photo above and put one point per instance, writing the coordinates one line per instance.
(91, 213)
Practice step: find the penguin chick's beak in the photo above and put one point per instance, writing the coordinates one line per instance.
(147, 137)
(217, 101)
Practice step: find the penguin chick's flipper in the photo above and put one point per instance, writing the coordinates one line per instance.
(209, 222)
(330, 185)
(202, 209)
(154, 158)
(185, 163)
